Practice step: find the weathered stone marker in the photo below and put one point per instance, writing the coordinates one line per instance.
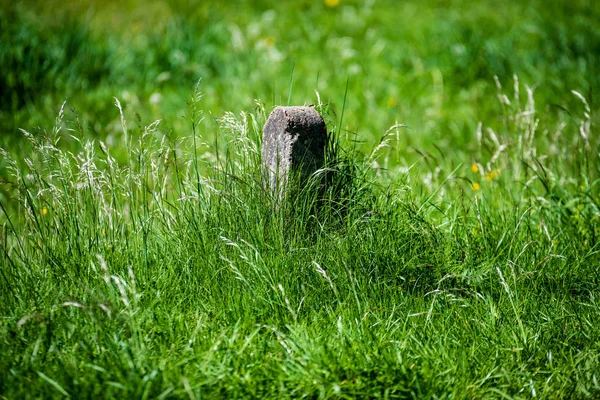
(294, 140)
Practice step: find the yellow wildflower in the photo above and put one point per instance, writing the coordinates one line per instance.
(44, 210)
(332, 3)
(475, 186)
(489, 176)
(474, 168)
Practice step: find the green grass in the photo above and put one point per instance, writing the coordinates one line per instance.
(455, 258)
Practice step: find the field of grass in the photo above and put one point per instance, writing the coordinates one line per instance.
(455, 253)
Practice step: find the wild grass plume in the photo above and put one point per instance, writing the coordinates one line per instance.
(452, 253)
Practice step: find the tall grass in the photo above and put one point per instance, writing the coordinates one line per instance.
(174, 273)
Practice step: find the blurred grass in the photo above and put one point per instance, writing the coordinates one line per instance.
(428, 64)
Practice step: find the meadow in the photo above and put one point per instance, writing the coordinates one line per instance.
(454, 254)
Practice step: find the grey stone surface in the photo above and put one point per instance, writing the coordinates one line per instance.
(294, 139)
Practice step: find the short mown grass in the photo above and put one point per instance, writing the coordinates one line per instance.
(455, 257)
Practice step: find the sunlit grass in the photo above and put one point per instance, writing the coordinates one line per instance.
(173, 274)
(454, 252)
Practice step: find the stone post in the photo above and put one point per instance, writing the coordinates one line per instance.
(294, 141)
